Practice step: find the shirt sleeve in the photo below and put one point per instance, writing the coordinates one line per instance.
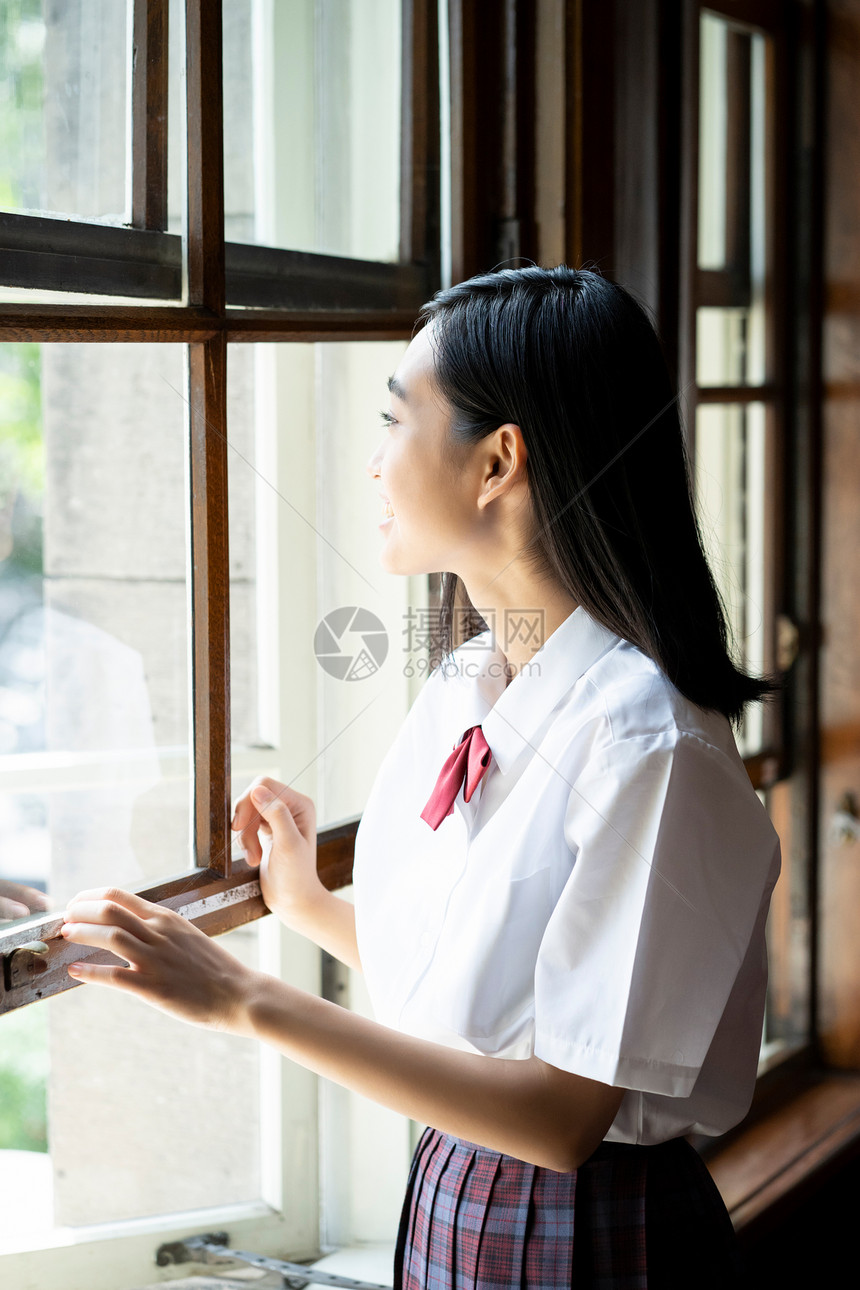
(672, 853)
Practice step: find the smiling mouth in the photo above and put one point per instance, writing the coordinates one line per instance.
(387, 511)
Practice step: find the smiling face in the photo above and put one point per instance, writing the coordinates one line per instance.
(428, 489)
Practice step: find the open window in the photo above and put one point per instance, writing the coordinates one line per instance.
(216, 233)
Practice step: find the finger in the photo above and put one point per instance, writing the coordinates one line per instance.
(276, 813)
(114, 939)
(253, 858)
(115, 896)
(39, 900)
(107, 913)
(250, 842)
(12, 908)
(22, 897)
(245, 813)
(121, 978)
(237, 819)
(31, 896)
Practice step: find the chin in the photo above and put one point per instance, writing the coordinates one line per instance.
(400, 566)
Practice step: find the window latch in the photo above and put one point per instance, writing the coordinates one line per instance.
(212, 1248)
(24, 963)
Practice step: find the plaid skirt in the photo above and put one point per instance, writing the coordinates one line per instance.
(630, 1218)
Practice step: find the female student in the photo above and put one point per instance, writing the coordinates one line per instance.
(562, 872)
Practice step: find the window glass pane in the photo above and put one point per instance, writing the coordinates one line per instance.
(721, 346)
(36, 296)
(312, 125)
(327, 654)
(94, 771)
(124, 1136)
(325, 662)
(176, 107)
(712, 142)
(757, 360)
(730, 345)
(64, 102)
(730, 492)
(732, 187)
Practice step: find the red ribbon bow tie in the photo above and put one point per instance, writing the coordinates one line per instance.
(469, 761)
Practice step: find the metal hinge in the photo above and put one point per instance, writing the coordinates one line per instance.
(787, 642)
(212, 1248)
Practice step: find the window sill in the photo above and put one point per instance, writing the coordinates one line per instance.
(364, 1262)
(788, 1152)
(369, 1263)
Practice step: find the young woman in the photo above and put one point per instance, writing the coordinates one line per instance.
(562, 873)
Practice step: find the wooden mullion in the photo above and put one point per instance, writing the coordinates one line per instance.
(266, 325)
(644, 191)
(97, 323)
(764, 15)
(466, 181)
(419, 153)
(736, 393)
(590, 91)
(689, 240)
(492, 151)
(149, 115)
(210, 594)
(722, 288)
(204, 231)
(204, 279)
(779, 322)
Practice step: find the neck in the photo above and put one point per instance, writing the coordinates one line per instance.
(522, 612)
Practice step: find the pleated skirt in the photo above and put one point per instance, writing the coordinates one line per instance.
(630, 1218)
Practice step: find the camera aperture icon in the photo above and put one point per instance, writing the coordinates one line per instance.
(350, 643)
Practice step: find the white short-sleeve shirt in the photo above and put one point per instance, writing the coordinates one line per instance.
(599, 902)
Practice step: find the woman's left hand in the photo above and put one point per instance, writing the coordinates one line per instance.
(170, 964)
(19, 901)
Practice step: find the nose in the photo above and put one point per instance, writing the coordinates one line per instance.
(374, 462)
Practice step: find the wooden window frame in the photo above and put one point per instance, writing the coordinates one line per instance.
(629, 73)
(804, 1124)
(731, 286)
(215, 295)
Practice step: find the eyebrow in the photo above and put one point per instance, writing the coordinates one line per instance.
(397, 389)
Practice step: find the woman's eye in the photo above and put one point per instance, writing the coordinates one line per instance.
(388, 418)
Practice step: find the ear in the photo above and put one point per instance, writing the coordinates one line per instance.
(504, 463)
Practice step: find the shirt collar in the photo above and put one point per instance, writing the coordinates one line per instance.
(510, 716)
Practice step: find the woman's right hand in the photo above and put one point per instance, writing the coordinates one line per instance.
(288, 868)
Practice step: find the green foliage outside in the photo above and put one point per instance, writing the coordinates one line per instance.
(23, 1034)
(23, 1080)
(22, 146)
(22, 164)
(22, 462)
(21, 416)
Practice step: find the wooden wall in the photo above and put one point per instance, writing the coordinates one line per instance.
(839, 891)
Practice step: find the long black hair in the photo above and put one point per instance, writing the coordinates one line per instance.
(573, 359)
